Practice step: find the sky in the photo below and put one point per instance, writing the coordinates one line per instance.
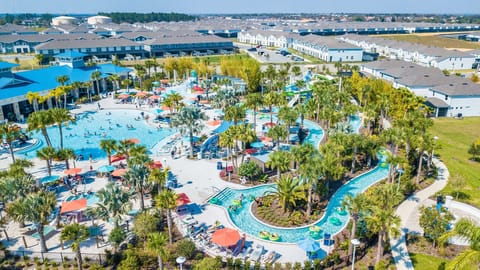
(241, 6)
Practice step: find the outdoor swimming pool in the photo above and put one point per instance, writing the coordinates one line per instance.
(91, 127)
(92, 198)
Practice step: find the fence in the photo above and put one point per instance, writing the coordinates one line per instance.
(59, 256)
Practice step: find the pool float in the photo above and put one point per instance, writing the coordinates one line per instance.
(274, 237)
(214, 201)
(264, 235)
(237, 202)
(314, 228)
(341, 211)
(335, 221)
(383, 164)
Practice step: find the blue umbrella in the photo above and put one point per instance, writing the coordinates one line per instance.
(48, 179)
(257, 145)
(309, 245)
(157, 111)
(106, 168)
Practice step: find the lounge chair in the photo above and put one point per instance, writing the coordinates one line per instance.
(256, 254)
(269, 257)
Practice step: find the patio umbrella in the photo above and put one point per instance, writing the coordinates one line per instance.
(269, 124)
(157, 111)
(106, 168)
(156, 165)
(197, 88)
(73, 205)
(116, 158)
(257, 145)
(183, 199)
(123, 96)
(225, 237)
(266, 139)
(141, 94)
(48, 179)
(119, 172)
(214, 123)
(154, 97)
(72, 171)
(134, 140)
(250, 151)
(155, 83)
(309, 245)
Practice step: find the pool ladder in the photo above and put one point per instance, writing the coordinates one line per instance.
(222, 195)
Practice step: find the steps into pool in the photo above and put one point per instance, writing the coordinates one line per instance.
(222, 196)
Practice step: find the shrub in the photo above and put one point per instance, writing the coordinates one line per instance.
(297, 266)
(288, 266)
(249, 170)
(237, 263)
(247, 265)
(256, 266)
(307, 264)
(277, 266)
(186, 248)
(208, 263)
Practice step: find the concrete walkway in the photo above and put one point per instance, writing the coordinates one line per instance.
(409, 207)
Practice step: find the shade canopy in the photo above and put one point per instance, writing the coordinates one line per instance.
(75, 205)
(134, 140)
(123, 96)
(156, 165)
(215, 122)
(183, 199)
(72, 171)
(269, 124)
(116, 158)
(226, 237)
(48, 179)
(106, 168)
(250, 151)
(154, 97)
(309, 245)
(119, 172)
(257, 145)
(141, 94)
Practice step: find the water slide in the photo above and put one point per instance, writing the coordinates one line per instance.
(293, 101)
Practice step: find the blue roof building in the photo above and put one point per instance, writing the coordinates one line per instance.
(15, 86)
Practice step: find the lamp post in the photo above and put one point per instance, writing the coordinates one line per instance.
(400, 172)
(181, 260)
(355, 242)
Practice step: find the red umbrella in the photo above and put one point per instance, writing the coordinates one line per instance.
(183, 199)
(197, 88)
(270, 124)
(214, 122)
(154, 97)
(141, 94)
(116, 158)
(134, 140)
(266, 139)
(226, 237)
(72, 171)
(75, 205)
(123, 96)
(250, 151)
(119, 172)
(156, 165)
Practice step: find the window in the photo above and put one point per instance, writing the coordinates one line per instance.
(446, 97)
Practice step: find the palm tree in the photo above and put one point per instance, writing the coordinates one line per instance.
(383, 222)
(36, 208)
(156, 244)
(108, 145)
(277, 133)
(123, 149)
(288, 116)
(137, 178)
(62, 80)
(39, 121)
(245, 134)
(189, 122)
(77, 234)
(159, 177)
(33, 99)
(310, 171)
(224, 99)
(279, 160)
(226, 139)
(66, 154)
(355, 206)
(126, 83)
(469, 258)
(254, 101)
(48, 154)
(61, 117)
(235, 114)
(167, 199)
(288, 191)
(9, 132)
(174, 101)
(301, 153)
(95, 76)
(139, 155)
(114, 79)
(114, 202)
(272, 99)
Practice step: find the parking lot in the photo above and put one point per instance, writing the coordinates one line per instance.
(264, 55)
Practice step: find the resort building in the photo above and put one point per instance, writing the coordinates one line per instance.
(27, 43)
(328, 49)
(267, 38)
(448, 95)
(15, 86)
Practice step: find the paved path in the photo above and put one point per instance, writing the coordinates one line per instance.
(409, 207)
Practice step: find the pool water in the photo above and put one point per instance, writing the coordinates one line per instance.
(85, 134)
(355, 122)
(91, 198)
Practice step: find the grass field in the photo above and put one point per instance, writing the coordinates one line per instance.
(211, 59)
(427, 262)
(455, 137)
(437, 41)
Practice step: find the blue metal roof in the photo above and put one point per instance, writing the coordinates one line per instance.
(8, 65)
(46, 79)
(70, 54)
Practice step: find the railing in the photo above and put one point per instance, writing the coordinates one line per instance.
(59, 256)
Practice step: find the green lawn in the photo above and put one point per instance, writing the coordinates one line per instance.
(426, 262)
(438, 41)
(455, 136)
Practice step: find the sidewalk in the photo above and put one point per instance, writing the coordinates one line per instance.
(405, 211)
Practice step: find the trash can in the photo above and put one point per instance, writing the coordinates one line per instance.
(219, 165)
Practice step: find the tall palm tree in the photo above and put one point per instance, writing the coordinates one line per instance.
(62, 80)
(279, 160)
(383, 222)
(126, 83)
(33, 98)
(310, 171)
(61, 117)
(301, 153)
(245, 134)
(277, 133)
(10, 132)
(39, 121)
(77, 234)
(114, 79)
(226, 139)
(48, 154)
(96, 76)
(36, 208)
(235, 114)
(156, 244)
(66, 154)
(469, 258)
(123, 149)
(224, 99)
(167, 199)
(139, 155)
(108, 145)
(288, 116)
(174, 101)
(189, 122)
(137, 178)
(114, 202)
(254, 101)
(288, 191)
(355, 206)
(159, 177)
(272, 99)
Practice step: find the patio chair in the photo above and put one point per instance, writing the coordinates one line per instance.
(269, 257)
(257, 253)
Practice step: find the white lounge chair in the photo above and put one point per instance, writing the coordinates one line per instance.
(269, 257)
(257, 253)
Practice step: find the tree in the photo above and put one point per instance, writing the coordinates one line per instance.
(48, 154)
(65, 154)
(355, 206)
(189, 122)
(310, 171)
(434, 222)
(288, 116)
(279, 160)
(272, 99)
(108, 145)
(137, 178)
(39, 58)
(277, 133)
(62, 80)
(226, 139)
(123, 149)
(474, 150)
(288, 191)
(249, 170)
(9, 132)
(39, 121)
(173, 101)
(61, 117)
(254, 101)
(235, 114)
(114, 202)
(144, 225)
(116, 237)
(96, 76)
(159, 177)
(208, 263)
(36, 208)
(167, 199)
(33, 98)
(156, 244)
(224, 99)
(469, 258)
(457, 181)
(77, 234)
